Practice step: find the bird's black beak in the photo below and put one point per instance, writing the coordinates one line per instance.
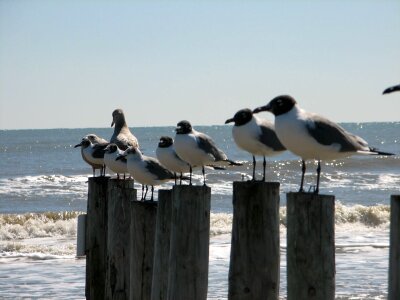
(229, 121)
(262, 108)
(112, 123)
(78, 145)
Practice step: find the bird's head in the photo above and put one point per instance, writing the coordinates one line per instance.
(278, 106)
(84, 143)
(242, 117)
(111, 148)
(118, 117)
(183, 127)
(93, 138)
(131, 151)
(165, 142)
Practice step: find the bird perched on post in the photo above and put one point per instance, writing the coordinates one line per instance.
(392, 89)
(111, 152)
(167, 156)
(122, 136)
(145, 169)
(312, 136)
(93, 153)
(255, 136)
(198, 149)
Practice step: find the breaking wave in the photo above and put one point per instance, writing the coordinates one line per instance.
(63, 224)
(38, 225)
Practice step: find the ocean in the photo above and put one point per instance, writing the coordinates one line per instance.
(43, 188)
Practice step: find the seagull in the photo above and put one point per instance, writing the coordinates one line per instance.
(392, 89)
(93, 154)
(145, 169)
(167, 156)
(197, 149)
(312, 136)
(256, 136)
(118, 166)
(122, 136)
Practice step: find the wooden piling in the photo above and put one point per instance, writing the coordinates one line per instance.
(143, 231)
(255, 253)
(310, 246)
(190, 238)
(120, 195)
(96, 237)
(159, 287)
(394, 252)
(81, 236)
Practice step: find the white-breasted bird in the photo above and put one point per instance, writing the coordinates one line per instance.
(145, 169)
(312, 136)
(122, 136)
(167, 156)
(93, 154)
(198, 149)
(256, 136)
(110, 160)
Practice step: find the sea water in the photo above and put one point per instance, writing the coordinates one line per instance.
(43, 188)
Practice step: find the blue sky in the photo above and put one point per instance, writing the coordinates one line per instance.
(69, 64)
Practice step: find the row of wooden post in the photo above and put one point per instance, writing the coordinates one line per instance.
(146, 250)
(159, 250)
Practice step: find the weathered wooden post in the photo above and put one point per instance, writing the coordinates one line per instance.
(394, 252)
(81, 236)
(143, 231)
(255, 253)
(96, 237)
(120, 195)
(310, 246)
(159, 287)
(190, 238)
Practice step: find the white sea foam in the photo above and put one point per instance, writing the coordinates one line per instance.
(53, 234)
(220, 223)
(34, 225)
(27, 186)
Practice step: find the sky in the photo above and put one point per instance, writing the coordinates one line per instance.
(69, 64)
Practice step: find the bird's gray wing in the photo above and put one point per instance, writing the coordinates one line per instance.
(122, 143)
(178, 158)
(327, 133)
(124, 138)
(207, 144)
(156, 168)
(98, 150)
(132, 141)
(392, 89)
(103, 143)
(123, 159)
(269, 138)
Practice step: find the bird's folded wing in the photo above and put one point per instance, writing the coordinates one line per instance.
(98, 150)
(269, 138)
(327, 133)
(156, 168)
(207, 145)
